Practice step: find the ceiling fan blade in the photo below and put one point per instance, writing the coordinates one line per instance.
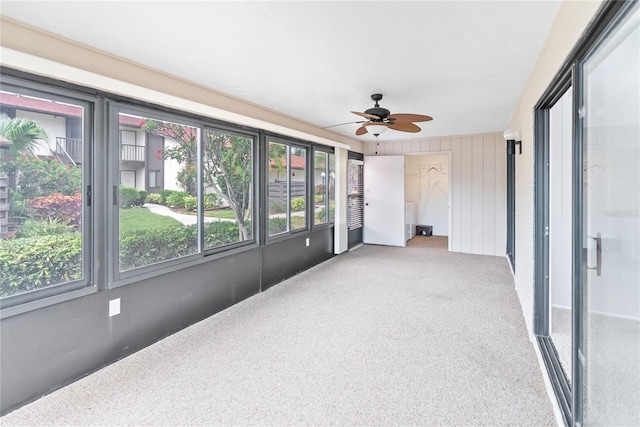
(347, 123)
(405, 127)
(410, 117)
(365, 115)
(361, 130)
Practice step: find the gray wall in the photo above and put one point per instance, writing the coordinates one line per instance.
(45, 349)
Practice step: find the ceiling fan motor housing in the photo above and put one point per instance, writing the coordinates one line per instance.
(378, 111)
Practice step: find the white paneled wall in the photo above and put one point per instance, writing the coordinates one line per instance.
(478, 187)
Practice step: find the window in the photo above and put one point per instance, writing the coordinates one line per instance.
(331, 187)
(320, 167)
(287, 188)
(148, 235)
(154, 179)
(324, 179)
(44, 220)
(227, 175)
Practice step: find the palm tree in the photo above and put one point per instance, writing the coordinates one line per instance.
(23, 134)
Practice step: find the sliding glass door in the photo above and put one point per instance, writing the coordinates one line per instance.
(587, 224)
(611, 227)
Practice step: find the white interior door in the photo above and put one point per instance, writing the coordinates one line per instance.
(384, 200)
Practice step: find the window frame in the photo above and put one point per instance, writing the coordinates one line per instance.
(328, 220)
(570, 74)
(255, 217)
(289, 142)
(87, 284)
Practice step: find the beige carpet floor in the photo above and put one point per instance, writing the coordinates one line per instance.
(377, 336)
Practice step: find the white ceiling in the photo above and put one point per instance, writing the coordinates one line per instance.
(464, 63)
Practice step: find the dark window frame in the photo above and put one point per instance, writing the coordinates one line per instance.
(90, 105)
(289, 142)
(570, 397)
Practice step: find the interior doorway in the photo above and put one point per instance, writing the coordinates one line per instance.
(428, 186)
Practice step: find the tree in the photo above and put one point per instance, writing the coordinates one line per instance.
(23, 134)
(226, 164)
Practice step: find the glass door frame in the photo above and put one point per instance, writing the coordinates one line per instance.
(570, 397)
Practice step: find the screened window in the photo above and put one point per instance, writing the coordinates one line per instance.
(168, 229)
(320, 169)
(298, 188)
(228, 186)
(43, 222)
(287, 188)
(324, 179)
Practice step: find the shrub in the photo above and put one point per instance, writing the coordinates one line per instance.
(212, 201)
(38, 178)
(319, 198)
(297, 204)
(320, 215)
(17, 205)
(148, 246)
(154, 198)
(37, 262)
(277, 225)
(144, 247)
(64, 209)
(47, 227)
(190, 202)
(165, 194)
(221, 233)
(176, 199)
(142, 197)
(276, 207)
(130, 197)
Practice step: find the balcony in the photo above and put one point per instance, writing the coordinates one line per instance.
(69, 150)
(132, 153)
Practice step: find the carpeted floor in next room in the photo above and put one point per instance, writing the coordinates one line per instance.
(377, 336)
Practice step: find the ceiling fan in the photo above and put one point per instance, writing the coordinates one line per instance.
(381, 119)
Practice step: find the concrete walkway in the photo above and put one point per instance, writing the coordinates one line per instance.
(183, 218)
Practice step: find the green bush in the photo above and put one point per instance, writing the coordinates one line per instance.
(276, 207)
(221, 233)
(190, 203)
(37, 262)
(165, 194)
(320, 215)
(141, 247)
(47, 227)
(130, 197)
(142, 197)
(144, 247)
(277, 225)
(211, 201)
(154, 198)
(39, 178)
(176, 199)
(297, 204)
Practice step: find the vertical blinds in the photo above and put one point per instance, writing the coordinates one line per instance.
(355, 207)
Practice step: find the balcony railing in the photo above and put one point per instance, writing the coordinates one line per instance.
(132, 153)
(70, 147)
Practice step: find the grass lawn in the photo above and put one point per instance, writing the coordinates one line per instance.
(221, 213)
(142, 219)
(297, 222)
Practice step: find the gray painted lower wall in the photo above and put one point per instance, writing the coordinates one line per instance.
(45, 349)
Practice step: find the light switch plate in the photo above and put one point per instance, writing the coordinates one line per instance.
(114, 307)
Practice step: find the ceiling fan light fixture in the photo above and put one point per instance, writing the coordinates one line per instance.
(376, 129)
